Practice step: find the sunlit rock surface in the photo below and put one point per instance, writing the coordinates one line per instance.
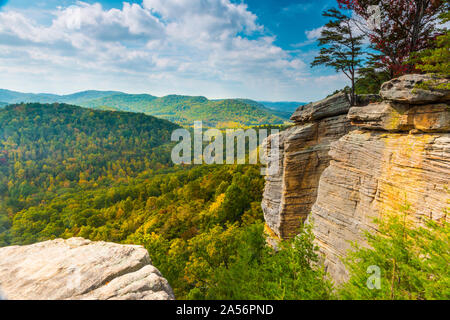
(80, 269)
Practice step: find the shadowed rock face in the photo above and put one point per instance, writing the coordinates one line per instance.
(80, 269)
(290, 194)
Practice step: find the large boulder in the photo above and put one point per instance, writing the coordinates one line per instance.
(80, 269)
(409, 89)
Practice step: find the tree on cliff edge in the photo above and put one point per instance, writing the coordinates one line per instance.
(341, 46)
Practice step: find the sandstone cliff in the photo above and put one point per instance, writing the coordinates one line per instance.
(382, 155)
(290, 194)
(400, 155)
(80, 269)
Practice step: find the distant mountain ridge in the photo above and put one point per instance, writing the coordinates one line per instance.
(8, 96)
(287, 106)
(176, 108)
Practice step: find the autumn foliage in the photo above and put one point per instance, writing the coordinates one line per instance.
(403, 27)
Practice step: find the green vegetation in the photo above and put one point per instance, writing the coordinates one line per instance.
(436, 59)
(121, 101)
(68, 171)
(259, 272)
(420, 44)
(103, 172)
(11, 97)
(413, 261)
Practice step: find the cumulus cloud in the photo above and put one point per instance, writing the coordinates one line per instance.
(213, 47)
(112, 25)
(314, 33)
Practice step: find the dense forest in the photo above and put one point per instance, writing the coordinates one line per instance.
(68, 171)
(47, 149)
(186, 109)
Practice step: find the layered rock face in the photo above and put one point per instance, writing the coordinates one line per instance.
(80, 269)
(400, 154)
(290, 193)
(343, 166)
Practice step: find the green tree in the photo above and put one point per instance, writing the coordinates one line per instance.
(259, 272)
(370, 78)
(341, 46)
(437, 58)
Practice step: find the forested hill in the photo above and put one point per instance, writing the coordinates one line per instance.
(187, 109)
(50, 147)
(176, 108)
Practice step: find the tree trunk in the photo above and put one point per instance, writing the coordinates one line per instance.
(353, 97)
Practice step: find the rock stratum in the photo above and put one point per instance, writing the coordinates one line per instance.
(79, 269)
(342, 171)
(290, 193)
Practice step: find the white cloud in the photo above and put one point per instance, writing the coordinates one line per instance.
(213, 47)
(314, 33)
(112, 25)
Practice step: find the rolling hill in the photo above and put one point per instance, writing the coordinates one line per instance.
(180, 109)
(187, 109)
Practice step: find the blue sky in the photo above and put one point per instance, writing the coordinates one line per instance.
(258, 49)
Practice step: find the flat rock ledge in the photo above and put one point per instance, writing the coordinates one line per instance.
(80, 269)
